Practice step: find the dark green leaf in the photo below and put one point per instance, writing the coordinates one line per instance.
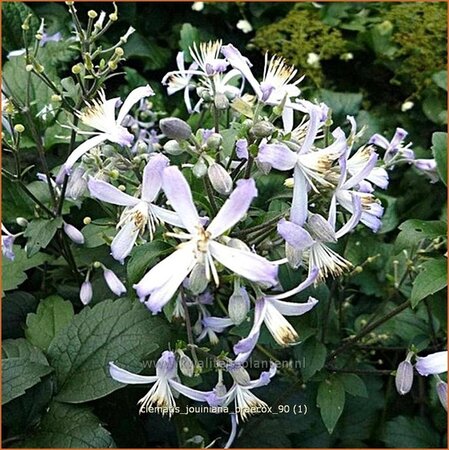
(331, 401)
(431, 279)
(353, 384)
(313, 354)
(188, 36)
(122, 331)
(15, 308)
(18, 375)
(52, 315)
(439, 151)
(414, 230)
(96, 235)
(342, 103)
(39, 233)
(440, 79)
(21, 348)
(410, 432)
(67, 426)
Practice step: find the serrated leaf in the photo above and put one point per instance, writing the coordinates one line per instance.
(18, 375)
(15, 203)
(331, 401)
(143, 257)
(410, 432)
(40, 232)
(53, 314)
(68, 426)
(15, 308)
(353, 384)
(21, 348)
(431, 279)
(414, 230)
(122, 331)
(13, 272)
(439, 151)
(342, 103)
(313, 353)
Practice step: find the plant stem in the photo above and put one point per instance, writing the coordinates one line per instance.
(210, 195)
(192, 345)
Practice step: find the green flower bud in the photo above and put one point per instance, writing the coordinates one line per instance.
(92, 14)
(220, 179)
(186, 365)
(76, 69)
(200, 168)
(119, 51)
(172, 147)
(19, 128)
(87, 220)
(221, 101)
(262, 129)
(214, 141)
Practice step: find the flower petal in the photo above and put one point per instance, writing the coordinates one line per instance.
(294, 309)
(188, 392)
(311, 277)
(234, 208)
(179, 195)
(295, 235)
(248, 265)
(124, 241)
(278, 156)
(124, 376)
(133, 97)
(105, 192)
(152, 177)
(167, 216)
(299, 209)
(81, 150)
(432, 364)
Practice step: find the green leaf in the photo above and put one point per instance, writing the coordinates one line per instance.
(342, 103)
(21, 348)
(331, 401)
(313, 353)
(434, 107)
(15, 203)
(353, 384)
(440, 79)
(410, 432)
(18, 375)
(53, 314)
(439, 151)
(13, 272)
(431, 279)
(68, 426)
(40, 232)
(143, 257)
(188, 36)
(96, 235)
(414, 230)
(153, 56)
(15, 308)
(122, 331)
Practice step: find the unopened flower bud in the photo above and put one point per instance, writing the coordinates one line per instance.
(197, 279)
(289, 183)
(404, 376)
(113, 282)
(92, 14)
(22, 222)
(442, 393)
(204, 94)
(321, 229)
(214, 141)
(112, 65)
(119, 51)
(87, 220)
(19, 128)
(86, 292)
(199, 169)
(221, 101)
(172, 147)
(239, 374)
(77, 184)
(239, 305)
(220, 179)
(74, 234)
(186, 365)
(76, 69)
(113, 17)
(121, 187)
(56, 98)
(29, 67)
(175, 128)
(262, 129)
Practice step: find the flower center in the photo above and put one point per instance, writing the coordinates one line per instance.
(202, 239)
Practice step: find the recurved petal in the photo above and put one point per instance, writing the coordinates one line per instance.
(432, 364)
(124, 376)
(294, 309)
(278, 156)
(82, 149)
(152, 177)
(179, 195)
(234, 208)
(188, 392)
(248, 265)
(134, 96)
(110, 194)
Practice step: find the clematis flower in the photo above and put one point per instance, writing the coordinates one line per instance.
(8, 243)
(100, 115)
(427, 167)
(202, 246)
(246, 403)
(394, 149)
(139, 213)
(276, 86)
(166, 385)
(311, 241)
(432, 364)
(270, 310)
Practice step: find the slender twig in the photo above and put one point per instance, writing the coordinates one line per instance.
(210, 195)
(190, 339)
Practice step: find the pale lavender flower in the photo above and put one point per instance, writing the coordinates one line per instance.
(86, 292)
(8, 243)
(73, 233)
(427, 167)
(241, 149)
(139, 213)
(202, 246)
(101, 116)
(55, 37)
(166, 385)
(394, 148)
(233, 434)
(442, 392)
(432, 364)
(404, 375)
(246, 403)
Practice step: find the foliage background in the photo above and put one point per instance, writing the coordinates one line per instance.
(398, 54)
